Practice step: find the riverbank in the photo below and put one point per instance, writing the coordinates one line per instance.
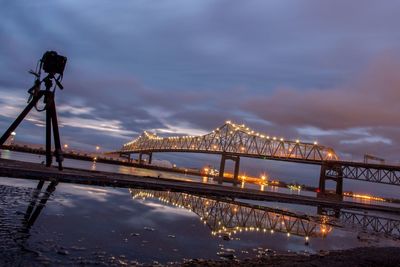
(368, 256)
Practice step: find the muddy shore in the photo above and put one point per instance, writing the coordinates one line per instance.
(370, 256)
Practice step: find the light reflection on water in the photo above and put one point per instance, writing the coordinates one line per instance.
(185, 177)
(105, 225)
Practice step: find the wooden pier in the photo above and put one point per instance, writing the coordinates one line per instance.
(35, 171)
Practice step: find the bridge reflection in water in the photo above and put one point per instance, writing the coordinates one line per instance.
(226, 218)
(367, 222)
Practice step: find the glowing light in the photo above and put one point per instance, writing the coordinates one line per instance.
(365, 197)
(65, 145)
(315, 143)
(97, 148)
(294, 187)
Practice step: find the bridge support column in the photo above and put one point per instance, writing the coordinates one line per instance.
(150, 157)
(236, 159)
(221, 169)
(334, 173)
(322, 179)
(236, 172)
(127, 156)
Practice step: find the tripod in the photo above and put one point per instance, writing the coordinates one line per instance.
(51, 118)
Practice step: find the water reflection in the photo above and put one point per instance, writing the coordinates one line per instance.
(38, 202)
(103, 223)
(15, 224)
(226, 218)
(366, 222)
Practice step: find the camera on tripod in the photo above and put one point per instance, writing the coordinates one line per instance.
(53, 63)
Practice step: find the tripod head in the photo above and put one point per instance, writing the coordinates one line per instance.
(53, 64)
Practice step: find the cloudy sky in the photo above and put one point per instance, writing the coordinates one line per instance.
(313, 70)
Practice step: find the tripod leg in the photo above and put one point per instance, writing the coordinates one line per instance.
(34, 199)
(50, 189)
(49, 156)
(23, 114)
(56, 133)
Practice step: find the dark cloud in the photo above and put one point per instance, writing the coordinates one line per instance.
(369, 101)
(293, 69)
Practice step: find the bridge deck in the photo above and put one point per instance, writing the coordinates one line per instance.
(18, 169)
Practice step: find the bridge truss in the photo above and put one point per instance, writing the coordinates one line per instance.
(376, 173)
(377, 224)
(227, 218)
(233, 139)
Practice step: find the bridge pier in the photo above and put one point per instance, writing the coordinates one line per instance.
(150, 157)
(236, 159)
(333, 173)
(127, 156)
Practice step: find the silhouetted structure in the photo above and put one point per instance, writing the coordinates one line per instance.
(53, 64)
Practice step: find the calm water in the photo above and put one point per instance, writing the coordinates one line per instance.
(73, 224)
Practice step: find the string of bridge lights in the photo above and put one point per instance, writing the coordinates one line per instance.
(236, 127)
(324, 230)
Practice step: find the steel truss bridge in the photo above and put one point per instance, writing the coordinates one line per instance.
(225, 217)
(233, 141)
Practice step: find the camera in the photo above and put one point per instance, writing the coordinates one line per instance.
(53, 63)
